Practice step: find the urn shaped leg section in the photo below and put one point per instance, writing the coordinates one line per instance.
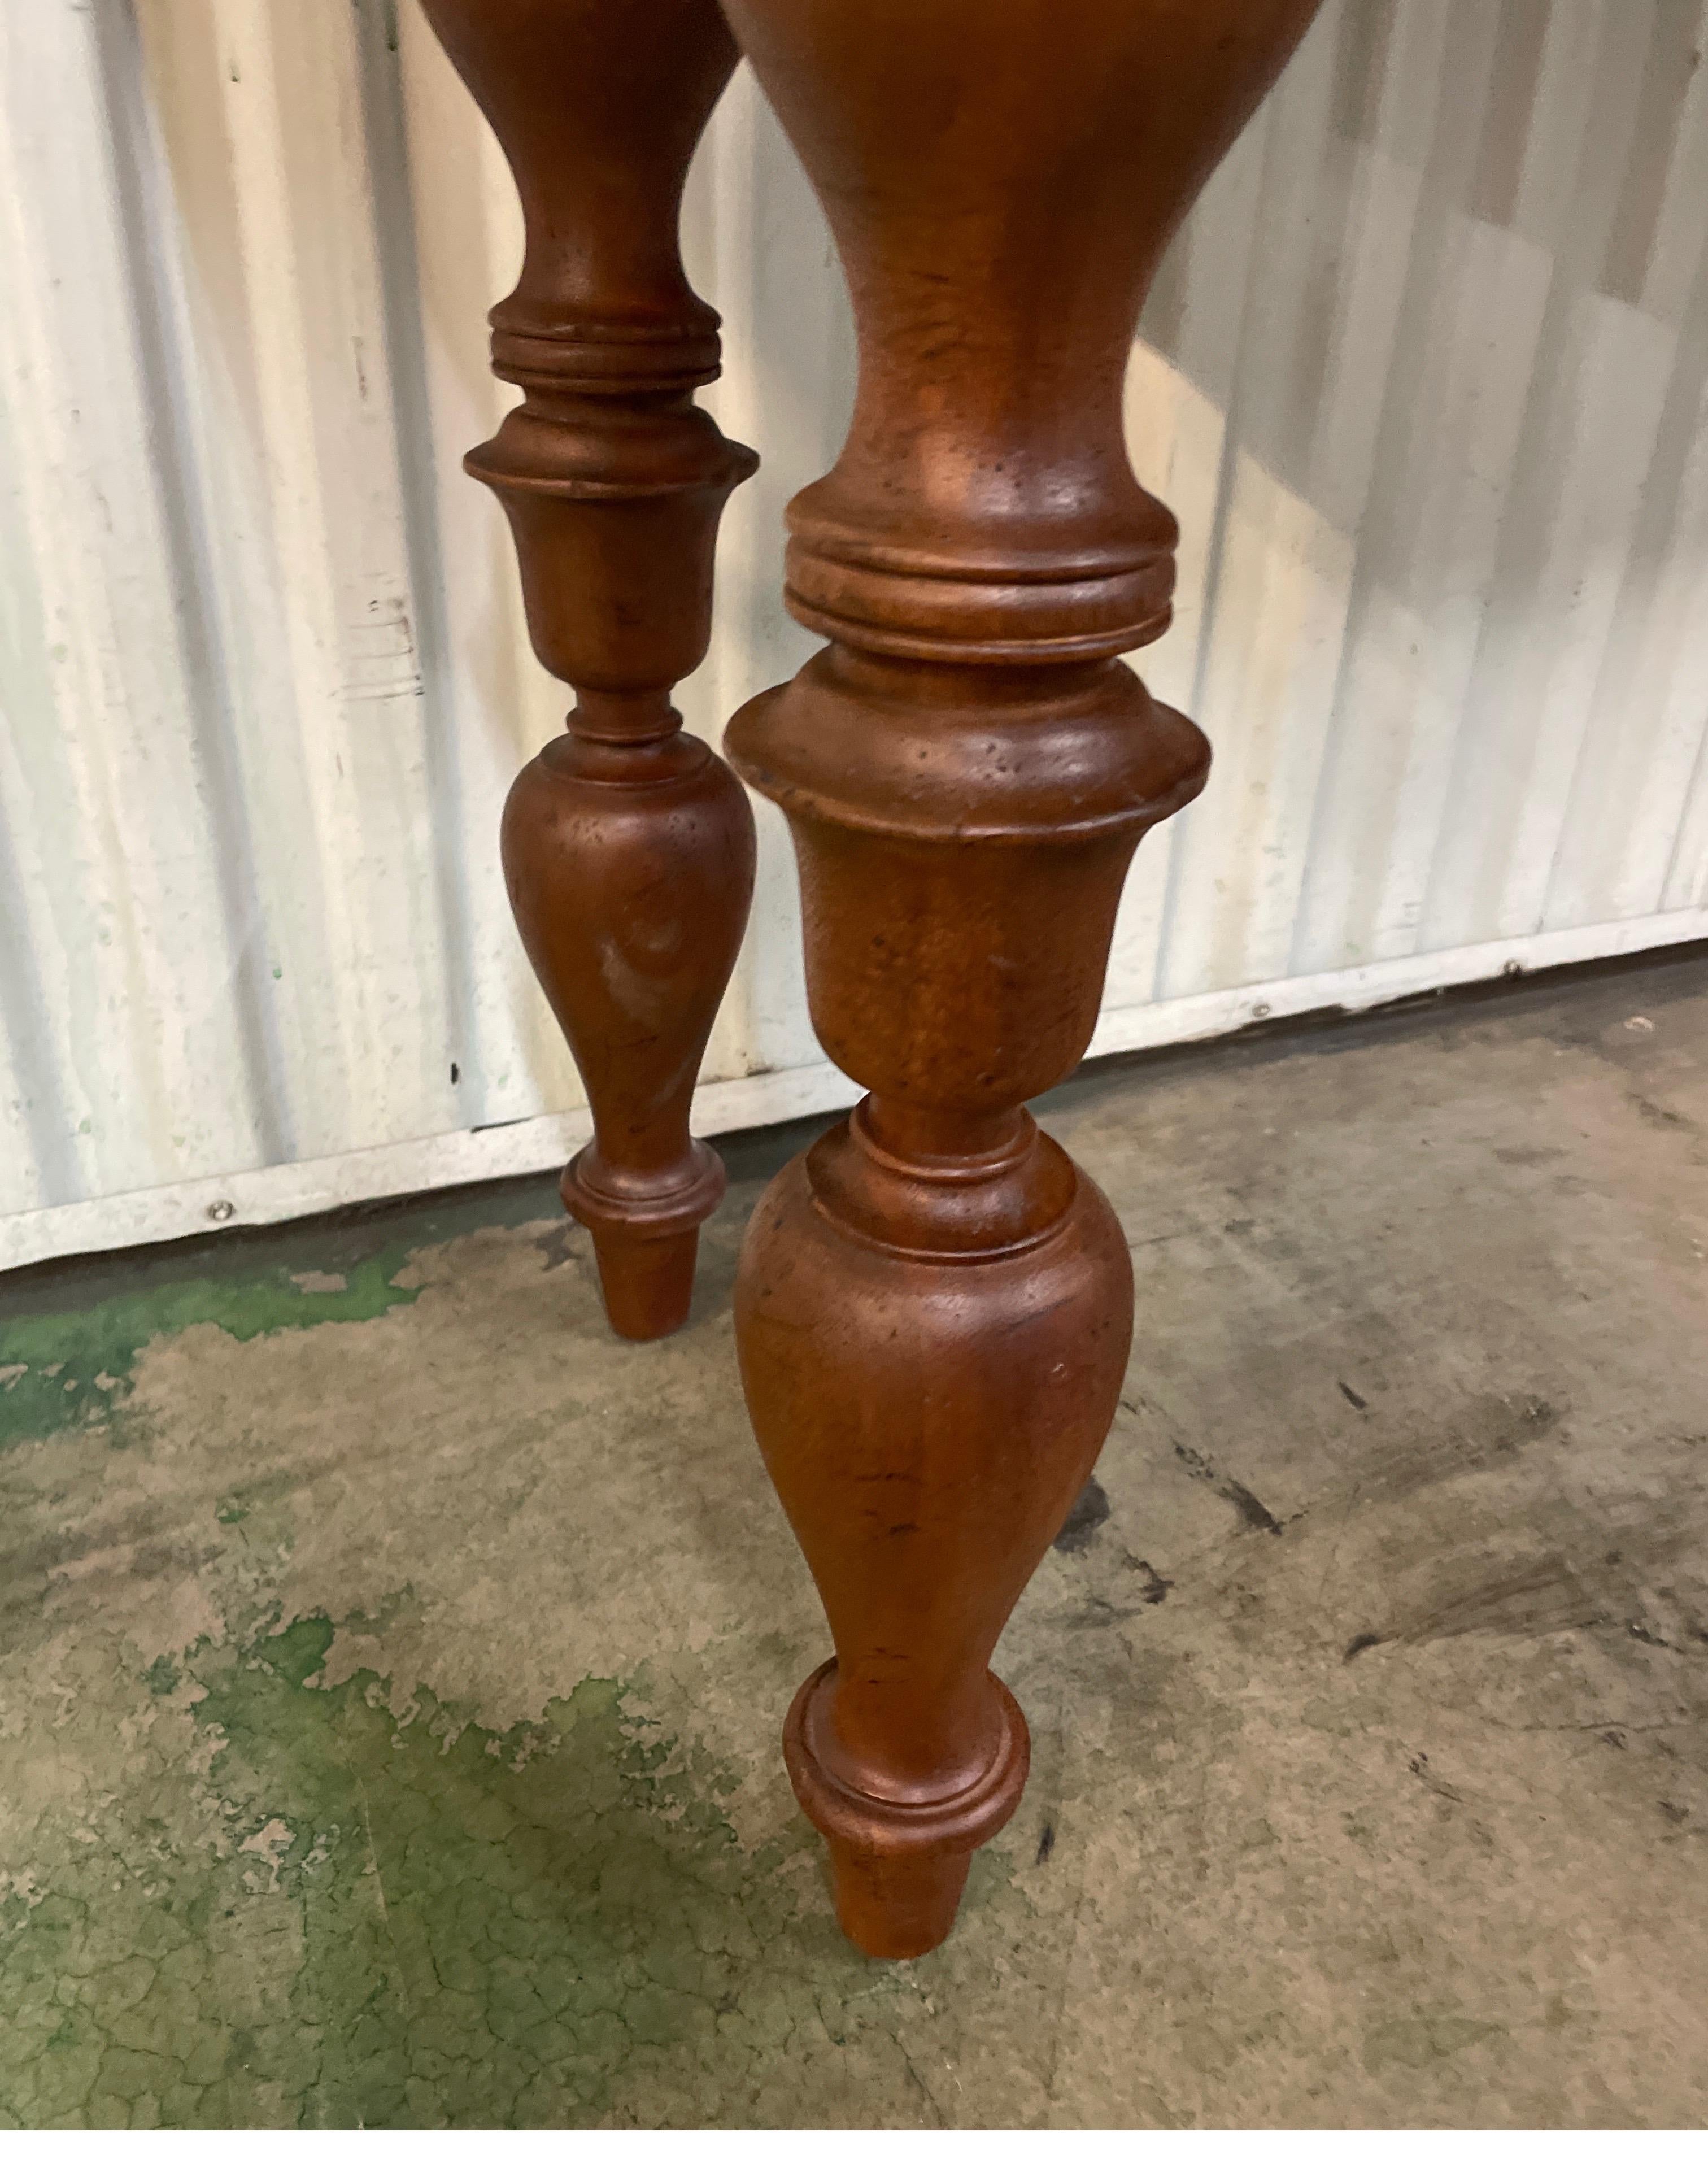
(630, 872)
(928, 1424)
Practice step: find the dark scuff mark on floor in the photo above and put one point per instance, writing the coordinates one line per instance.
(1244, 1502)
(1087, 1516)
(1153, 1587)
(558, 1247)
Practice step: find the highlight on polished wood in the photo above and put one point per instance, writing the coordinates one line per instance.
(933, 1308)
(628, 845)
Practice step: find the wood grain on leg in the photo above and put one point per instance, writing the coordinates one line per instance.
(935, 1305)
(628, 845)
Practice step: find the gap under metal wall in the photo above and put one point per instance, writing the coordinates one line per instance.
(1424, 379)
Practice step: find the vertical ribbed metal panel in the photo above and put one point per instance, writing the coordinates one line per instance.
(1425, 378)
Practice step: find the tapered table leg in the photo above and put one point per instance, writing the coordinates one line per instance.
(935, 1305)
(628, 845)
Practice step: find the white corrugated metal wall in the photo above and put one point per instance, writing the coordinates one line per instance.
(1424, 379)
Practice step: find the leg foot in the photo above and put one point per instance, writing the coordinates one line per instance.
(648, 1285)
(896, 1907)
(646, 1230)
(898, 1860)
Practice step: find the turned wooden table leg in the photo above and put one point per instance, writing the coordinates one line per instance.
(628, 845)
(935, 1305)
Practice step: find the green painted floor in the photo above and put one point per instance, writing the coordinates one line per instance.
(394, 1660)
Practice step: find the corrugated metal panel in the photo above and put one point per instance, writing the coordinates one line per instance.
(1426, 378)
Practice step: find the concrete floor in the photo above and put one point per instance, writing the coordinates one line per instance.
(393, 1661)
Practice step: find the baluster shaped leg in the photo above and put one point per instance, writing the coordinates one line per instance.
(628, 845)
(935, 1305)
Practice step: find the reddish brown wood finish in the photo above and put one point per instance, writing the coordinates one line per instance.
(628, 845)
(935, 1305)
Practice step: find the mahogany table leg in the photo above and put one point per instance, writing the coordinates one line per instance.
(935, 1305)
(628, 845)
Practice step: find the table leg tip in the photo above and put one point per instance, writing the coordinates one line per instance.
(648, 1284)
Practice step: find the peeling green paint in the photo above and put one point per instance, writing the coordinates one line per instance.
(65, 1368)
(70, 1335)
(490, 1923)
(402, 1919)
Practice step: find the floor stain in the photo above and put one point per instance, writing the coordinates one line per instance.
(1087, 1515)
(66, 1368)
(1245, 1502)
(400, 1918)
